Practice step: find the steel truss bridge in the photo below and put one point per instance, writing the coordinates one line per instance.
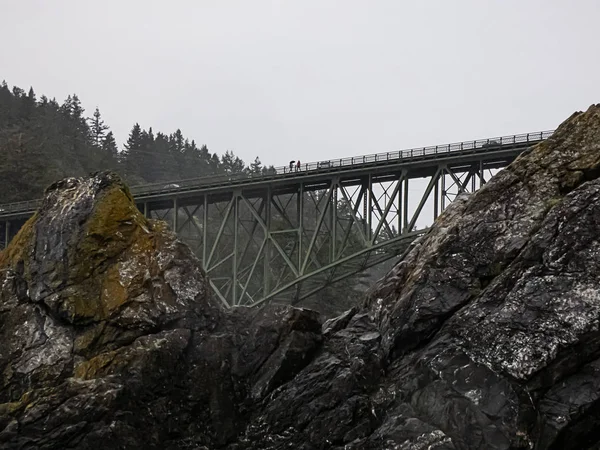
(287, 234)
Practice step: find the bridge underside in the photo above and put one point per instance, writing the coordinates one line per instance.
(285, 243)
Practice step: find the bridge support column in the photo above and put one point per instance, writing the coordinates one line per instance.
(399, 201)
(204, 231)
(175, 222)
(7, 234)
(332, 219)
(300, 211)
(481, 174)
(436, 196)
(405, 208)
(369, 232)
(236, 216)
(267, 251)
(443, 182)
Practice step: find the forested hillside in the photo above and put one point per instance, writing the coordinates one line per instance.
(42, 140)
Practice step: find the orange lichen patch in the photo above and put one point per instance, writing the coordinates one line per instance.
(107, 232)
(114, 293)
(82, 306)
(114, 232)
(14, 407)
(98, 366)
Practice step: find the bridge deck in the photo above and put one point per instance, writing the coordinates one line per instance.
(420, 162)
(285, 235)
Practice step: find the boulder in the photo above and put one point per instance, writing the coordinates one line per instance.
(110, 339)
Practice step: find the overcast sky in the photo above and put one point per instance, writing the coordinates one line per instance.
(310, 79)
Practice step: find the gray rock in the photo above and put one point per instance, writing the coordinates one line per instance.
(485, 337)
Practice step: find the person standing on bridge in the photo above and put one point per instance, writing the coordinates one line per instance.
(297, 165)
(292, 166)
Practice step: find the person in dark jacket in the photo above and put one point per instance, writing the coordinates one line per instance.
(292, 165)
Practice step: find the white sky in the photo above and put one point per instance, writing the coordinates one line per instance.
(310, 79)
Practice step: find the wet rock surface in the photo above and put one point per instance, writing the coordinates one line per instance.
(486, 336)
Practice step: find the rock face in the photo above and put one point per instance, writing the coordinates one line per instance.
(109, 339)
(486, 336)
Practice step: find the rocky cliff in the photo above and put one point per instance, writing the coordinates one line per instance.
(486, 336)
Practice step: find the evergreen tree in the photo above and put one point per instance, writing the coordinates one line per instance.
(231, 163)
(165, 167)
(146, 156)
(269, 170)
(110, 152)
(28, 104)
(134, 141)
(97, 128)
(132, 156)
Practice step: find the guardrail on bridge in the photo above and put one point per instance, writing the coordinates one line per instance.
(481, 145)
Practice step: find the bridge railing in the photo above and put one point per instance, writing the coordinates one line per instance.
(29, 205)
(479, 146)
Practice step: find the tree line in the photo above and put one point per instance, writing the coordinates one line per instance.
(42, 140)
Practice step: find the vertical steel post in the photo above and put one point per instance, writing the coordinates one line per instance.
(405, 207)
(481, 174)
(365, 208)
(234, 278)
(400, 197)
(443, 175)
(334, 186)
(330, 222)
(267, 249)
(7, 234)
(369, 233)
(204, 231)
(175, 224)
(436, 194)
(300, 209)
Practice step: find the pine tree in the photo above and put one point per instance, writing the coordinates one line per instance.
(97, 128)
(238, 165)
(227, 162)
(131, 155)
(134, 141)
(269, 170)
(110, 152)
(146, 156)
(165, 167)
